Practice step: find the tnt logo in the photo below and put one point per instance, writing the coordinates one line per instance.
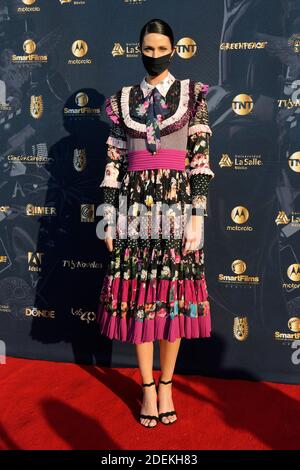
(2, 352)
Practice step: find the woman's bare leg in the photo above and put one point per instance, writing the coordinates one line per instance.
(168, 355)
(144, 353)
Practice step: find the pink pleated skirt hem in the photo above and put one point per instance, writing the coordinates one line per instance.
(168, 328)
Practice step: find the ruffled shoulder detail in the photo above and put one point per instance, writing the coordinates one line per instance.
(200, 119)
(112, 108)
(200, 90)
(204, 87)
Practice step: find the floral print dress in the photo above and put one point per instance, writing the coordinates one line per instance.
(151, 290)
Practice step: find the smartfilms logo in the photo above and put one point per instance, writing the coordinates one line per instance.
(238, 267)
(81, 101)
(29, 47)
(294, 326)
(2, 352)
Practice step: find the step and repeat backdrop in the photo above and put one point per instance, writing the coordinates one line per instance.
(59, 59)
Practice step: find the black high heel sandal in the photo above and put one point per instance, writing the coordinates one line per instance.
(141, 416)
(167, 413)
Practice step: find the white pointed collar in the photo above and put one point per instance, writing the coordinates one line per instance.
(162, 86)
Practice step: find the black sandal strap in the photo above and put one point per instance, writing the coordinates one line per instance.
(167, 413)
(148, 385)
(150, 417)
(163, 382)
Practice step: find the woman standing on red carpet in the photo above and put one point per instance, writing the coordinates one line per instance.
(157, 167)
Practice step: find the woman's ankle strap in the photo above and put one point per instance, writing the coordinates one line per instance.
(165, 382)
(148, 385)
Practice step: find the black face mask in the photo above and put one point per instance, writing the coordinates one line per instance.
(156, 65)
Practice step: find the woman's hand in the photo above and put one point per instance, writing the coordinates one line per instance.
(108, 239)
(193, 237)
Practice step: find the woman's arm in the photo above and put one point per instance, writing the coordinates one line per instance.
(199, 133)
(199, 171)
(116, 161)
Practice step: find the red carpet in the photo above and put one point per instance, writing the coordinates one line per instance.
(48, 405)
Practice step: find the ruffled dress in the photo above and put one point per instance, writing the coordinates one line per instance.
(151, 291)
